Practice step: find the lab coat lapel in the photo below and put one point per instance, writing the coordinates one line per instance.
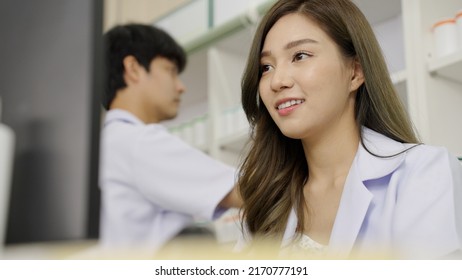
(356, 197)
(352, 210)
(370, 166)
(351, 213)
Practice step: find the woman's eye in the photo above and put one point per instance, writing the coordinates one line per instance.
(300, 56)
(265, 68)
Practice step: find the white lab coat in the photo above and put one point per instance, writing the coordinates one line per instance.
(407, 206)
(154, 184)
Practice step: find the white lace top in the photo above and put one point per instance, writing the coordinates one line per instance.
(307, 247)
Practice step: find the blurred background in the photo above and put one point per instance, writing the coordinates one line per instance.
(51, 80)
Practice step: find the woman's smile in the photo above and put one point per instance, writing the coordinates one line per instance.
(288, 105)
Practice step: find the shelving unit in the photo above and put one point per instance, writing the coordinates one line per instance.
(430, 88)
(449, 67)
(434, 84)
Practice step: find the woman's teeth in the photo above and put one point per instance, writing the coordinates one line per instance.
(289, 103)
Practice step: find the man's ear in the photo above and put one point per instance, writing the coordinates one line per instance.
(357, 77)
(132, 69)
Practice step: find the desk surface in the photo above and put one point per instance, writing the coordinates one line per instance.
(181, 248)
(46, 250)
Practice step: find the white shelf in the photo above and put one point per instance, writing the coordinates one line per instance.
(399, 77)
(449, 67)
(225, 29)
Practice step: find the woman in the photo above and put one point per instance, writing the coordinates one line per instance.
(335, 166)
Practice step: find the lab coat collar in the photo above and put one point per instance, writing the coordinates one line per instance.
(356, 198)
(115, 115)
(371, 166)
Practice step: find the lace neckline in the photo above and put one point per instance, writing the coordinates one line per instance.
(305, 246)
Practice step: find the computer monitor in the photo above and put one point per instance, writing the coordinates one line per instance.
(51, 79)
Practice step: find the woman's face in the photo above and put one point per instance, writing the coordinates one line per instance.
(307, 85)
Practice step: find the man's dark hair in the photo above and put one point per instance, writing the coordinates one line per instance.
(144, 42)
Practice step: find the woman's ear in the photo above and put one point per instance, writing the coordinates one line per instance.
(357, 77)
(131, 70)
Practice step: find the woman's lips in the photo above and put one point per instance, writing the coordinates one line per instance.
(286, 107)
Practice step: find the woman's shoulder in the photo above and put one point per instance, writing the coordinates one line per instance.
(424, 154)
(413, 152)
(380, 155)
(427, 163)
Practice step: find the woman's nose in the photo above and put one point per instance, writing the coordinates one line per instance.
(281, 79)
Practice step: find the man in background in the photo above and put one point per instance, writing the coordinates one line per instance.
(153, 184)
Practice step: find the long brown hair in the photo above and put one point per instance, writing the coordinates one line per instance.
(273, 173)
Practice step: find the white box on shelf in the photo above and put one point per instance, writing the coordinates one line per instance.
(445, 37)
(459, 27)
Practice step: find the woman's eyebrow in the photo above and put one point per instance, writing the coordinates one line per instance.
(299, 42)
(290, 45)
